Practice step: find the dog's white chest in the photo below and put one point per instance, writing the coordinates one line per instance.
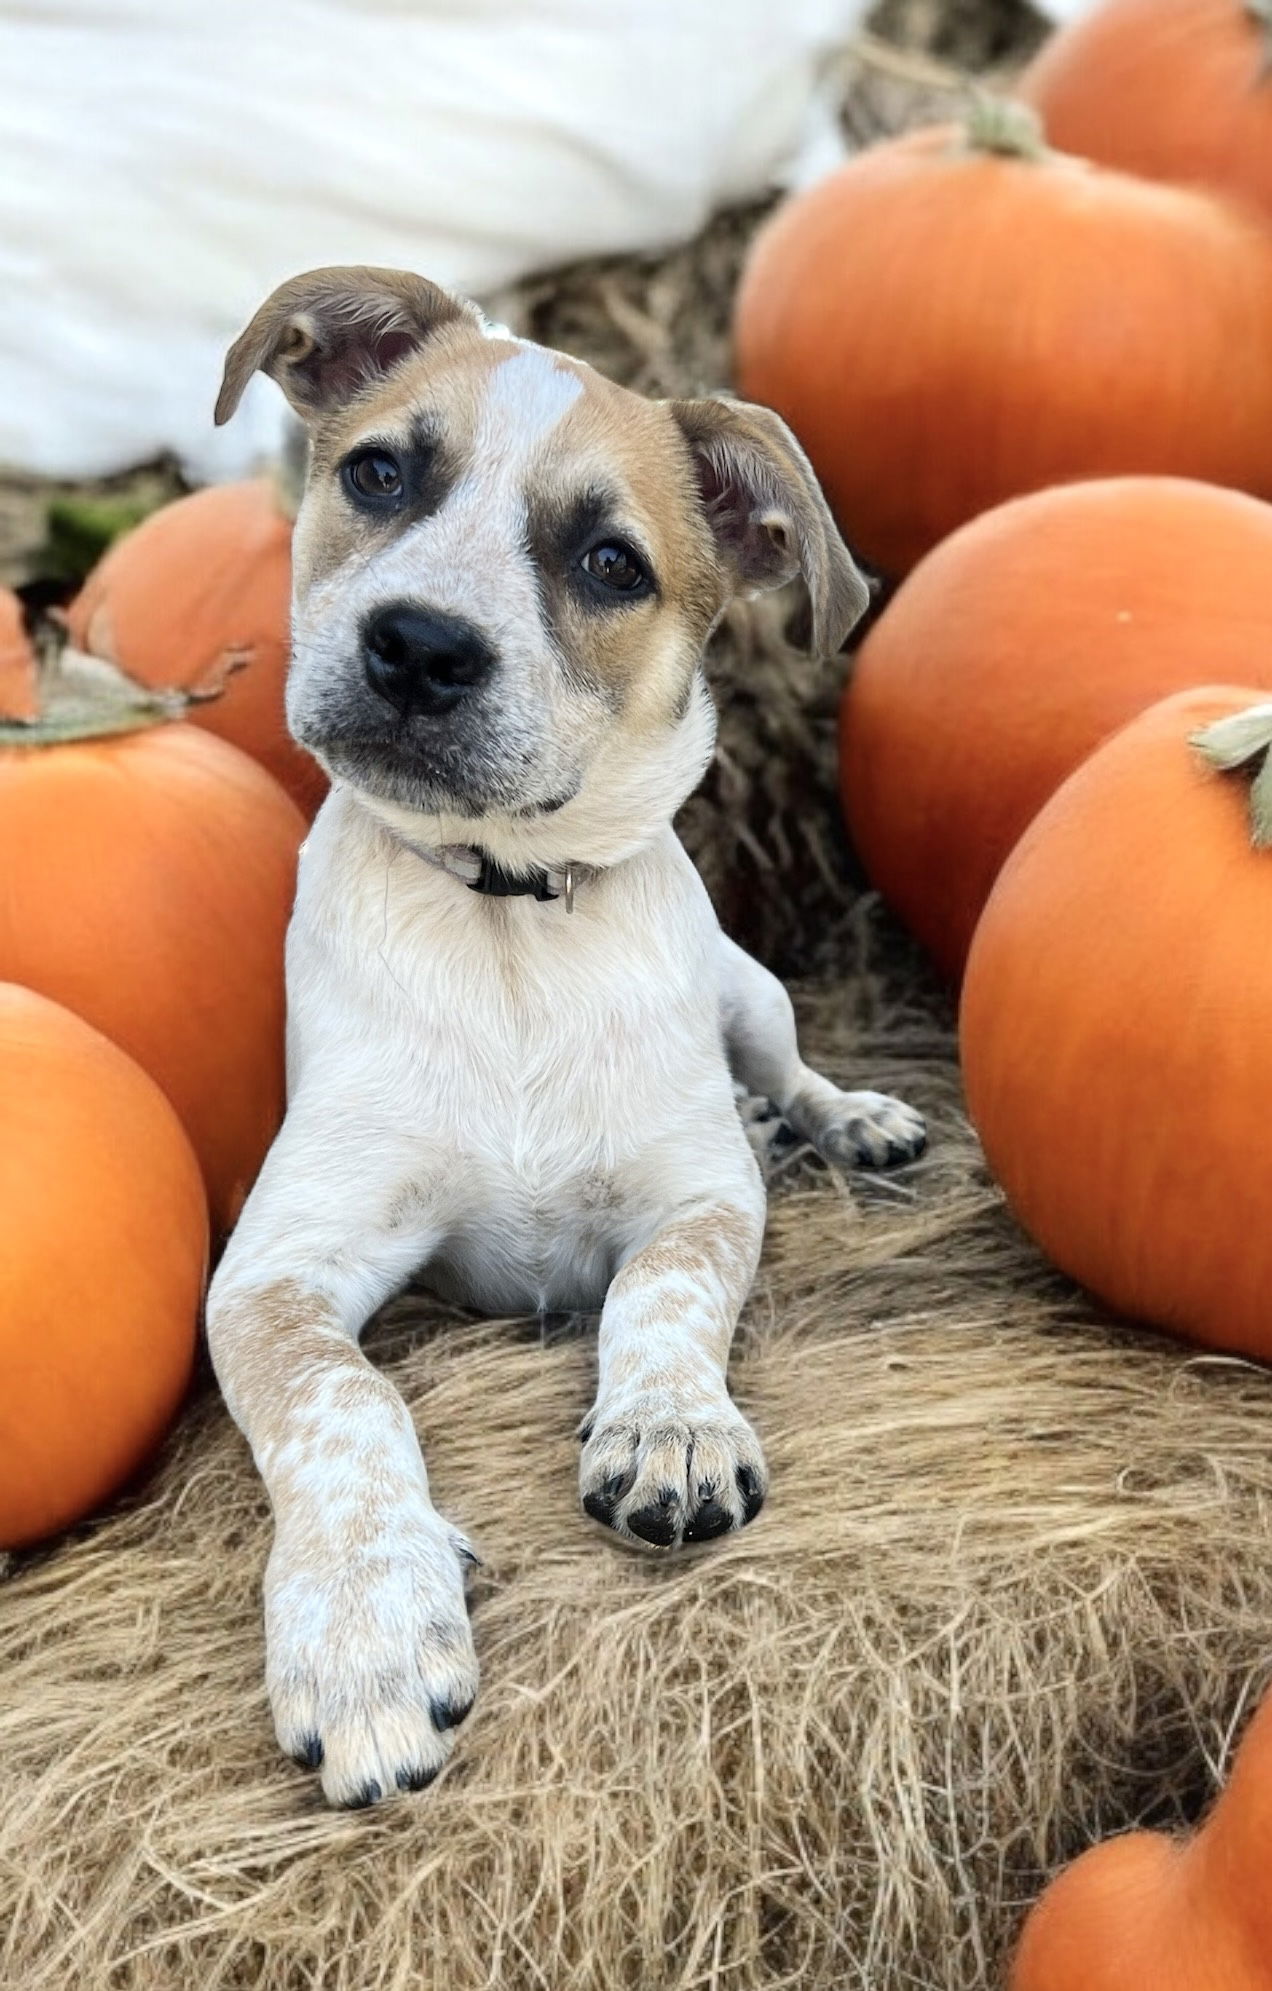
(546, 1072)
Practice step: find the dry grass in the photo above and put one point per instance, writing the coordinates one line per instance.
(1012, 1588)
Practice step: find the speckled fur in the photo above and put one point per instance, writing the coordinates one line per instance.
(532, 1106)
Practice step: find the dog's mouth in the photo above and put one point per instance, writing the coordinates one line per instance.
(424, 770)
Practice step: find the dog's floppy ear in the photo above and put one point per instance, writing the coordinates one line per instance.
(324, 335)
(766, 510)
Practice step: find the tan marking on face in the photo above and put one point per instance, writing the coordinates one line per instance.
(642, 654)
(444, 383)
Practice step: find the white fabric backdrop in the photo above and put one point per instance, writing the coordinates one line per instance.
(163, 163)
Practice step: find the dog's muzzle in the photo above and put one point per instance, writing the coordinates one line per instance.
(421, 663)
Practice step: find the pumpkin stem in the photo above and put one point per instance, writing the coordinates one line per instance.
(85, 698)
(1009, 129)
(1260, 14)
(1242, 744)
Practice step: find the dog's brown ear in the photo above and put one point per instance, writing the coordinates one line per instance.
(766, 510)
(324, 335)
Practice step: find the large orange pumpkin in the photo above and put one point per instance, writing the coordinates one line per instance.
(948, 321)
(200, 586)
(1013, 649)
(103, 1246)
(1173, 89)
(1114, 1029)
(146, 882)
(17, 662)
(1146, 1913)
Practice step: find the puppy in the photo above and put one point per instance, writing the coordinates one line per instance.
(514, 1021)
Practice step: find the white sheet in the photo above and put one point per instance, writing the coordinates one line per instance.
(163, 163)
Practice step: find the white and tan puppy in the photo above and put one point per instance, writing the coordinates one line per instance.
(514, 1021)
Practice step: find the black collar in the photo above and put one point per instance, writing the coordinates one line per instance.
(496, 883)
(477, 869)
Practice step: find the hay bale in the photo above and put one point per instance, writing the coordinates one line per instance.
(1011, 1589)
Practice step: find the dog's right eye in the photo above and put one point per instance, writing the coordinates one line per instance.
(373, 475)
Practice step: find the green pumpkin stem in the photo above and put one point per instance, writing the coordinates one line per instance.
(1242, 745)
(1009, 129)
(1259, 14)
(86, 698)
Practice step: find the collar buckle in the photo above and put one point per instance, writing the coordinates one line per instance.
(496, 883)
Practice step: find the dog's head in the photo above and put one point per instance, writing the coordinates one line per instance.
(506, 567)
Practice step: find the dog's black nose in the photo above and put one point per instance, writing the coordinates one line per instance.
(422, 662)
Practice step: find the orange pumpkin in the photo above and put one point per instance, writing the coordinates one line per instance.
(956, 317)
(17, 662)
(1013, 649)
(1114, 1028)
(1173, 89)
(1146, 1913)
(103, 1247)
(146, 884)
(199, 596)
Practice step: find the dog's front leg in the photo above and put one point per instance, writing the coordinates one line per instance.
(370, 1660)
(865, 1129)
(667, 1456)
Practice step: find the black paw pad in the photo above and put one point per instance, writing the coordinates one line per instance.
(449, 1714)
(415, 1779)
(657, 1522)
(710, 1520)
(309, 1754)
(369, 1794)
(752, 1492)
(600, 1504)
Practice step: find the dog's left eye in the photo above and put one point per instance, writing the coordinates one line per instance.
(615, 565)
(374, 474)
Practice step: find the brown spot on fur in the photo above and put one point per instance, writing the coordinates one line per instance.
(269, 1349)
(278, 1353)
(616, 467)
(723, 1241)
(439, 388)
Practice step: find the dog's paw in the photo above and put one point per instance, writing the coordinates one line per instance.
(370, 1662)
(663, 1480)
(863, 1130)
(768, 1133)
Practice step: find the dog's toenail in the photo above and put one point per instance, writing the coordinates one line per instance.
(309, 1755)
(655, 1523)
(449, 1714)
(417, 1778)
(585, 1431)
(369, 1794)
(600, 1503)
(751, 1490)
(709, 1521)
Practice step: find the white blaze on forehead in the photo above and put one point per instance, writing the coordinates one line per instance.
(447, 559)
(528, 395)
